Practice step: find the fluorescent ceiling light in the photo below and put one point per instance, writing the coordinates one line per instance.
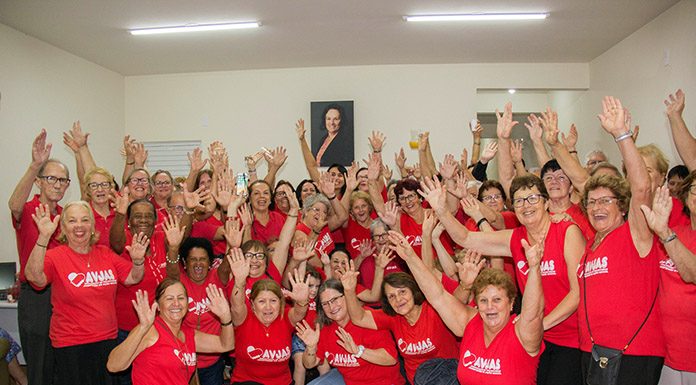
(512, 91)
(479, 17)
(194, 28)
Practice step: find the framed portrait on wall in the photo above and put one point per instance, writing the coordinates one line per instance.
(332, 133)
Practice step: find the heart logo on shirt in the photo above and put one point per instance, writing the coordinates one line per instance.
(77, 279)
(522, 267)
(468, 358)
(254, 353)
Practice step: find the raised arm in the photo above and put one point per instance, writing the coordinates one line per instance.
(276, 159)
(536, 135)
(658, 219)
(476, 145)
(310, 162)
(174, 235)
(117, 232)
(504, 130)
(374, 167)
(613, 122)
(196, 164)
(446, 262)
(300, 297)
(569, 164)
(377, 356)
(309, 334)
(455, 314)
(685, 142)
(358, 315)
(529, 327)
(40, 153)
(137, 250)
(77, 141)
(218, 305)
(240, 269)
(140, 337)
(34, 269)
(336, 219)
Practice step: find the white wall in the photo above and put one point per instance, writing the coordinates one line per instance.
(250, 109)
(43, 86)
(634, 71)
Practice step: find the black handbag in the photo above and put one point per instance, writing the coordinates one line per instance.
(606, 362)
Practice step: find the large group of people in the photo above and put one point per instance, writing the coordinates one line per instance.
(580, 273)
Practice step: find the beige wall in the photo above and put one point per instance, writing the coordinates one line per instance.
(43, 86)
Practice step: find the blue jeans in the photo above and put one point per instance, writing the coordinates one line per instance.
(333, 377)
(212, 375)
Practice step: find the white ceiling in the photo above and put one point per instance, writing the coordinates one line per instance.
(307, 33)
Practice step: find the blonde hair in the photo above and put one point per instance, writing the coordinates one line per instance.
(87, 192)
(654, 152)
(94, 237)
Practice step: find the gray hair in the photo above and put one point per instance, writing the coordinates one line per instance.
(310, 201)
(376, 224)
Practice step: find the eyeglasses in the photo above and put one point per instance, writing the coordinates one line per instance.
(50, 179)
(163, 183)
(257, 256)
(317, 210)
(380, 237)
(532, 200)
(281, 194)
(407, 198)
(139, 181)
(601, 202)
(96, 185)
(177, 208)
(492, 198)
(559, 178)
(332, 301)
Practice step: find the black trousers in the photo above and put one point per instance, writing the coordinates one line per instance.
(34, 318)
(84, 364)
(634, 370)
(559, 365)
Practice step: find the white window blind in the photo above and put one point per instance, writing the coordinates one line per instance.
(170, 155)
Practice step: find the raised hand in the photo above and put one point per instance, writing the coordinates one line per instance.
(505, 122)
(429, 222)
(139, 154)
(174, 234)
(128, 148)
(612, 116)
(234, 232)
(534, 127)
(326, 184)
(489, 152)
(383, 258)
(43, 221)
(423, 141)
(196, 160)
(549, 122)
(217, 303)
(373, 168)
(138, 248)
(400, 244)
(391, 213)
(238, 264)
(366, 248)
(252, 160)
(448, 167)
(438, 230)
(571, 140)
(516, 151)
(300, 129)
(658, 216)
(121, 200)
(349, 278)
(40, 150)
(471, 207)
(400, 159)
(225, 188)
(675, 104)
(434, 193)
(303, 250)
(533, 253)
(245, 214)
(464, 159)
(351, 178)
(308, 335)
(75, 138)
(146, 312)
(300, 288)
(277, 157)
(470, 267)
(345, 340)
(193, 199)
(377, 141)
(387, 173)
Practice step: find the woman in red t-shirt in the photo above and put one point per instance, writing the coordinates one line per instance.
(96, 189)
(320, 216)
(360, 355)
(264, 337)
(494, 349)
(161, 348)
(83, 277)
(418, 329)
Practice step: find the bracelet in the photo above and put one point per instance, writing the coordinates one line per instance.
(189, 212)
(228, 323)
(669, 238)
(174, 261)
(376, 152)
(467, 288)
(302, 304)
(480, 221)
(315, 232)
(139, 264)
(332, 198)
(572, 152)
(479, 142)
(359, 353)
(130, 163)
(40, 245)
(626, 135)
(292, 216)
(252, 171)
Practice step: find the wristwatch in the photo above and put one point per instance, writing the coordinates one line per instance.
(359, 353)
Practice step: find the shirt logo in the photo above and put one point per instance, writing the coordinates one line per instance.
(268, 355)
(547, 268)
(414, 240)
(188, 359)
(668, 265)
(324, 242)
(480, 364)
(415, 348)
(199, 308)
(92, 278)
(341, 359)
(599, 265)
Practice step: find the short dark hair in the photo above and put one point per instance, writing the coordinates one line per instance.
(496, 278)
(549, 166)
(618, 186)
(400, 280)
(168, 281)
(684, 191)
(193, 242)
(332, 106)
(489, 184)
(679, 170)
(333, 283)
(406, 184)
(298, 191)
(138, 201)
(528, 181)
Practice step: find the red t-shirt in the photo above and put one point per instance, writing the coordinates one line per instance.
(580, 219)
(83, 296)
(199, 316)
(677, 301)
(325, 241)
(511, 222)
(503, 362)
(207, 229)
(162, 213)
(677, 216)
(102, 226)
(27, 233)
(356, 370)
(262, 353)
(554, 279)
(353, 234)
(169, 360)
(270, 230)
(367, 269)
(271, 273)
(620, 288)
(155, 272)
(428, 338)
(414, 235)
